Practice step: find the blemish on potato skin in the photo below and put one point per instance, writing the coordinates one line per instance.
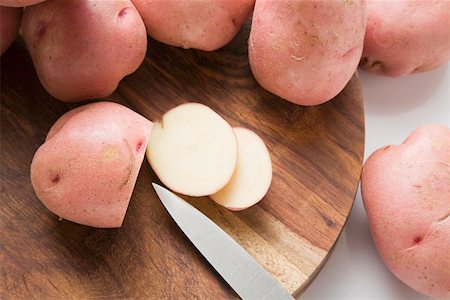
(55, 179)
(418, 69)
(52, 180)
(130, 167)
(297, 58)
(110, 153)
(350, 52)
(444, 217)
(41, 29)
(139, 145)
(372, 65)
(123, 12)
(417, 240)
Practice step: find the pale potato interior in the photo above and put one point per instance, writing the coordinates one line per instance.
(193, 150)
(252, 176)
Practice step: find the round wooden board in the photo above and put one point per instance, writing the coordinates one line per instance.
(317, 157)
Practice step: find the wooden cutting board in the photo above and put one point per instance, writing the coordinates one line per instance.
(317, 157)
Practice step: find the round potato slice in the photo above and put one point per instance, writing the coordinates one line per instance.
(193, 150)
(252, 176)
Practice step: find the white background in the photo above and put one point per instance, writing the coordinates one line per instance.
(393, 108)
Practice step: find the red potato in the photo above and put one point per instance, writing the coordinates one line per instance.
(86, 170)
(306, 51)
(192, 150)
(406, 36)
(253, 174)
(81, 49)
(406, 193)
(9, 26)
(201, 24)
(19, 3)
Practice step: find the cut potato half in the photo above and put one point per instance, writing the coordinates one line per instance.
(193, 150)
(252, 176)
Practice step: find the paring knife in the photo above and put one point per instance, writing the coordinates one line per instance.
(239, 269)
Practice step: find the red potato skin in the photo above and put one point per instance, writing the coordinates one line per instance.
(306, 51)
(19, 3)
(81, 49)
(406, 194)
(200, 24)
(86, 170)
(9, 26)
(406, 36)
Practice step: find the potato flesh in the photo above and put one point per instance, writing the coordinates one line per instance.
(252, 176)
(193, 150)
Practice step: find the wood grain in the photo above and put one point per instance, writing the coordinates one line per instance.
(317, 157)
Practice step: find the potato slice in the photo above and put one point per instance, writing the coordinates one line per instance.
(193, 150)
(253, 174)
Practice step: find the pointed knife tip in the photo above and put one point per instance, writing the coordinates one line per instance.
(156, 186)
(158, 189)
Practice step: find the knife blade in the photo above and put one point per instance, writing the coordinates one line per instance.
(239, 269)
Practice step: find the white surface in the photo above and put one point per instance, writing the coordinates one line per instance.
(393, 108)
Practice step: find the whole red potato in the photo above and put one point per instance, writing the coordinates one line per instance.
(81, 49)
(306, 51)
(406, 36)
(200, 24)
(406, 193)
